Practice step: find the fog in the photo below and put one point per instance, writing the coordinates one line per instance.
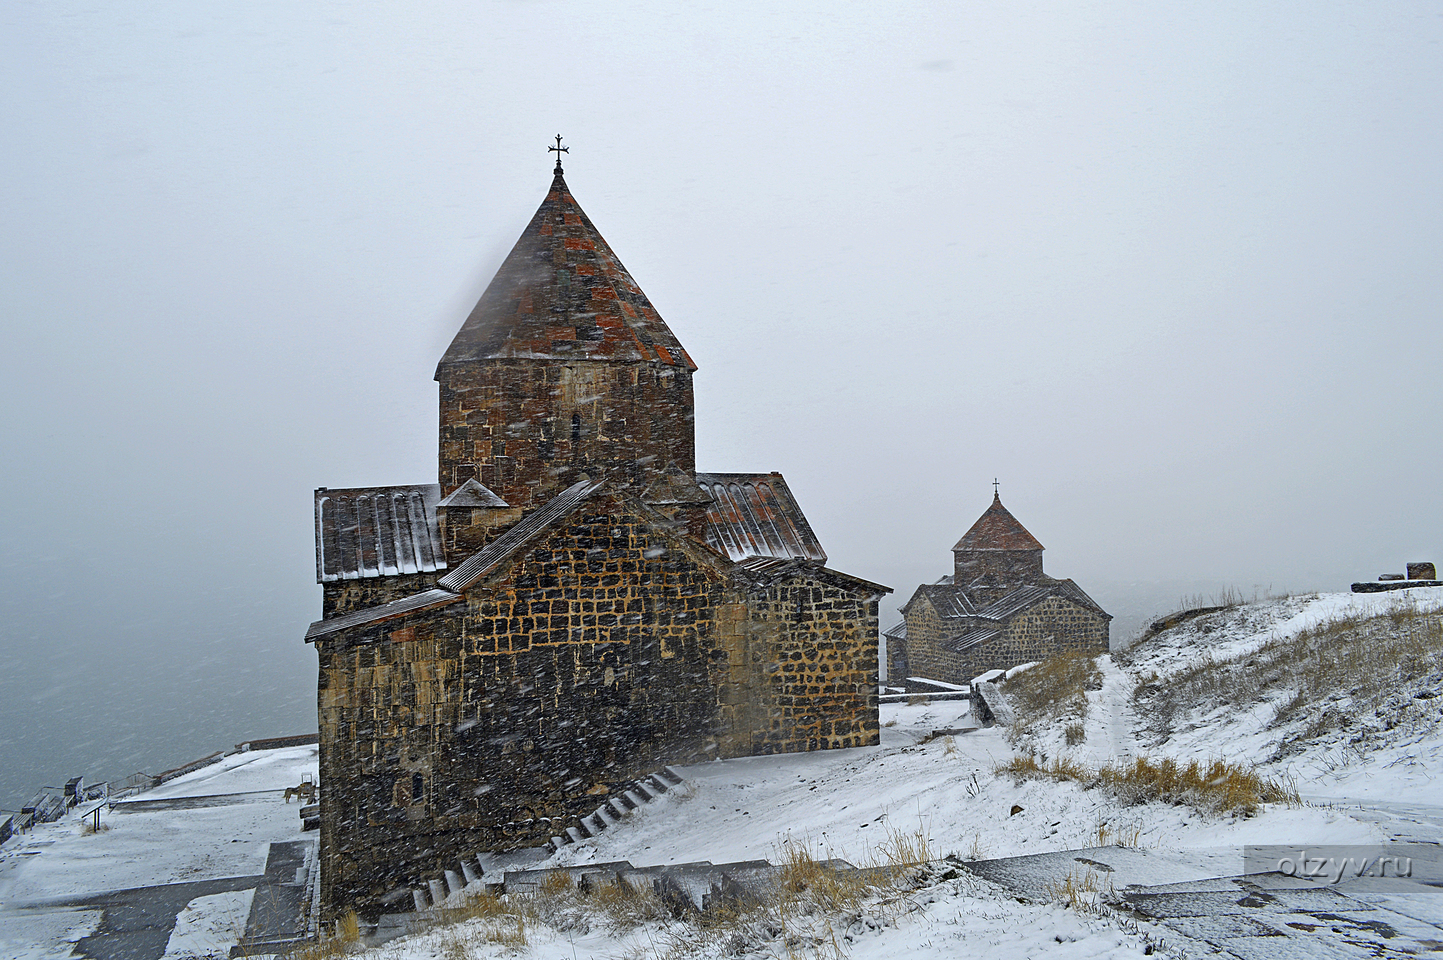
(1169, 274)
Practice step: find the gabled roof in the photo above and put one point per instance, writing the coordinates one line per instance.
(755, 515)
(472, 494)
(950, 602)
(971, 638)
(518, 536)
(769, 570)
(562, 294)
(675, 487)
(366, 532)
(1024, 597)
(997, 529)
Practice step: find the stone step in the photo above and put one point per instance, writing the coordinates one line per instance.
(671, 775)
(454, 883)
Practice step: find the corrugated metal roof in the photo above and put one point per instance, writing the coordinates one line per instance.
(523, 532)
(561, 293)
(950, 602)
(971, 638)
(1016, 601)
(997, 529)
(755, 515)
(377, 532)
(1028, 596)
(418, 601)
(899, 632)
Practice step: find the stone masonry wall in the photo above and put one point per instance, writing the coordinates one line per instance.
(805, 677)
(1051, 627)
(926, 657)
(525, 429)
(989, 575)
(496, 722)
(343, 596)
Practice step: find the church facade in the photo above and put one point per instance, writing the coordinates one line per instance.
(997, 609)
(571, 605)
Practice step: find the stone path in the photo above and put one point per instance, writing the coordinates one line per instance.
(136, 924)
(1204, 896)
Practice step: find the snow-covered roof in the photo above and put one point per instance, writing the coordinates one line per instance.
(366, 532)
(771, 569)
(472, 494)
(425, 600)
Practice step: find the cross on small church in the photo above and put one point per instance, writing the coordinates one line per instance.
(558, 150)
(994, 486)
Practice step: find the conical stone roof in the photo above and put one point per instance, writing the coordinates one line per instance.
(561, 294)
(997, 529)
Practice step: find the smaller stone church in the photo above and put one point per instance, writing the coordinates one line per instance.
(997, 609)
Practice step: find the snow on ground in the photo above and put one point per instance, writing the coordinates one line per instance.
(218, 821)
(1404, 770)
(215, 822)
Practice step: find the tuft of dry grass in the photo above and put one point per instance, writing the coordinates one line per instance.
(1082, 892)
(344, 941)
(1213, 786)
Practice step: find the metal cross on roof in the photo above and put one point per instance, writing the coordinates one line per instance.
(558, 150)
(994, 486)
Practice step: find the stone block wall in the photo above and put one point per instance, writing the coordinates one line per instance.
(926, 656)
(496, 722)
(813, 651)
(1053, 626)
(343, 596)
(526, 429)
(989, 575)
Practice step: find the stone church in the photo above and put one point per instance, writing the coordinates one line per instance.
(997, 609)
(571, 605)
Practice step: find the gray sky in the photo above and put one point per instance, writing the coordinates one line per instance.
(1169, 273)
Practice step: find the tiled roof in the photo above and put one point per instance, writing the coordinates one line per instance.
(562, 294)
(519, 535)
(377, 532)
(426, 600)
(755, 515)
(997, 529)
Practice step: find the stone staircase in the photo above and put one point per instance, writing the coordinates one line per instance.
(433, 891)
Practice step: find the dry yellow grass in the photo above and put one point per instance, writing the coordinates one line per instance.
(1212, 786)
(1351, 672)
(1051, 691)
